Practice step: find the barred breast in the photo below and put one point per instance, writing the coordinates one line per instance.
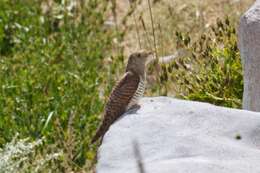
(138, 94)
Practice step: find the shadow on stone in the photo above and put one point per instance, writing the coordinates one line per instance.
(133, 109)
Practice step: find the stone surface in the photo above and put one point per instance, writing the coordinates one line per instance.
(249, 45)
(176, 136)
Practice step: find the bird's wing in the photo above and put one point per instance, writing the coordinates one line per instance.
(121, 96)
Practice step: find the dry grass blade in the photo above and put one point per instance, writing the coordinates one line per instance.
(137, 32)
(153, 29)
(138, 157)
(135, 23)
(145, 30)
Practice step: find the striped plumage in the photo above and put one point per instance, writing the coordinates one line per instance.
(126, 93)
(138, 94)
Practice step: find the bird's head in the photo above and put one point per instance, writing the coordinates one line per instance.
(138, 60)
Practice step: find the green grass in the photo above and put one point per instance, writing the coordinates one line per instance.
(57, 69)
(51, 73)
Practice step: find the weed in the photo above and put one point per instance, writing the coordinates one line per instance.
(213, 73)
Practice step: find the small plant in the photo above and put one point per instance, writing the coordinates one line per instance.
(20, 156)
(213, 73)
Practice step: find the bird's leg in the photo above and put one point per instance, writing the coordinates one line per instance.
(133, 108)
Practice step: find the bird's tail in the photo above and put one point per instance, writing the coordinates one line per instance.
(100, 132)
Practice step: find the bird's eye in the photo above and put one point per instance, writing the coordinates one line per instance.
(138, 55)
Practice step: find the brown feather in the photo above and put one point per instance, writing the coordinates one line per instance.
(118, 101)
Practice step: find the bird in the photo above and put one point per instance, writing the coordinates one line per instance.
(126, 92)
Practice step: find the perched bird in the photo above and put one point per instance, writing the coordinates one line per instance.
(126, 92)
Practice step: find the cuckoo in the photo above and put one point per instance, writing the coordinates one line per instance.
(126, 92)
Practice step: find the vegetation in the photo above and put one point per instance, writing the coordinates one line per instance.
(60, 59)
(212, 73)
(51, 74)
